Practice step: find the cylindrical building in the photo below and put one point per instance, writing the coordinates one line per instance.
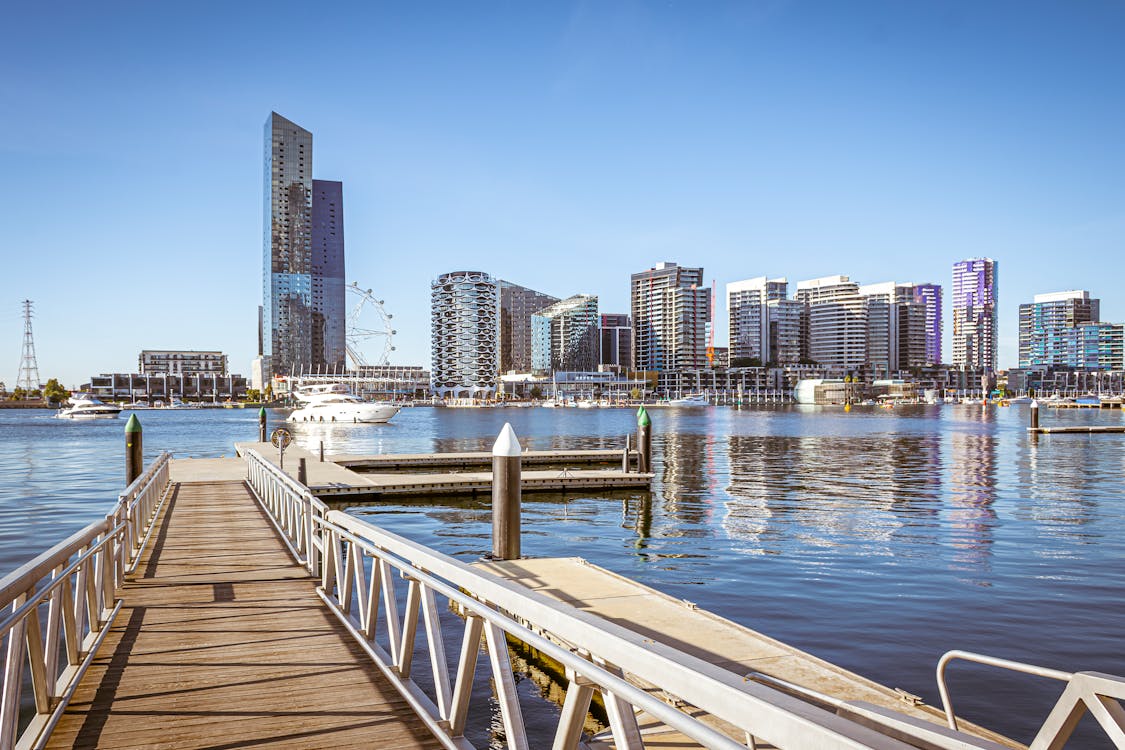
(465, 334)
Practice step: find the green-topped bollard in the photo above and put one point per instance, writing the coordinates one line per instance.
(134, 453)
(262, 425)
(644, 441)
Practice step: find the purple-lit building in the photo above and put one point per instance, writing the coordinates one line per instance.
(929, 295)
(974, 313)
(329, 348)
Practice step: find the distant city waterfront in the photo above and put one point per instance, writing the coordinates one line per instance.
(876, 539)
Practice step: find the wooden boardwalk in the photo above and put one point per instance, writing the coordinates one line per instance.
(223, 643)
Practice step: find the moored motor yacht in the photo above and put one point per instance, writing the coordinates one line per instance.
(694, 399)
(87, 406)
(333, 402)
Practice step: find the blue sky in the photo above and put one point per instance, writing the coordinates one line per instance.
(562, 146)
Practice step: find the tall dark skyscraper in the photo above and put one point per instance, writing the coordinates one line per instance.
(328, 313)
(303, 318)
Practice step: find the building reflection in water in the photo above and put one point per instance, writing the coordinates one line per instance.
(972, 495)
(869, 492)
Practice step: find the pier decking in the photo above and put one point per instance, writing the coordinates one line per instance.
(475, 460)
(330, 480)
(222, 642)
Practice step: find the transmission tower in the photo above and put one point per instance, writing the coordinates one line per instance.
(29, 368)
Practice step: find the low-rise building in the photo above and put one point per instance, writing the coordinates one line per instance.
(181, 361)
(136, 387)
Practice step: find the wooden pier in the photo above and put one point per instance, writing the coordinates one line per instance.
(333, 480)
(222, 642)
(476, 460)
(1077, 429)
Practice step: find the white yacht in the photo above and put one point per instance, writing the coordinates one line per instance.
(694, 399)
(335, 403)
(86, 406)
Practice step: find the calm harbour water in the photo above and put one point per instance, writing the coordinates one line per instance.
(877, 539)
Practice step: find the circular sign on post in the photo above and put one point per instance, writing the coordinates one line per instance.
(281, 438)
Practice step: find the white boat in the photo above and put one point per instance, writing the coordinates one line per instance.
(86, 406)
(693, 399)
(1020, 400)
(333, 402)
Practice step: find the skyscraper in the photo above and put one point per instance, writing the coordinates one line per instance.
(896, 327)
(329, 348)
(287, 249)
(565, 335)
(1045, 325)
(974, 313)
(465, 332)
(836, 318)
(517, 305)
(670, 309)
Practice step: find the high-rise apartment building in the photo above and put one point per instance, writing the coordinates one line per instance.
(896, 327)
(303, 317)
(929, 295)
(329, 346)
(565, 336)
(1045, 328)
(287, 250)
(616, 340)
(465, 332)
(517, 305)
(786, 344)
(835, 321)
(1089, 346)
(671, 310)
(974, 313)
(748, 316)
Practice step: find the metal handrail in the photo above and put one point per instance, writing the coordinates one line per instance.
(991, 661)
(77, 581)
(357, 570)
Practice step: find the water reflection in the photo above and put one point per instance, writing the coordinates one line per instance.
(972, 494)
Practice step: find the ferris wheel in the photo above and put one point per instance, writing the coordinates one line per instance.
(369, 333)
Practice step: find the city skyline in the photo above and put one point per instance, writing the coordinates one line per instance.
(790, 140)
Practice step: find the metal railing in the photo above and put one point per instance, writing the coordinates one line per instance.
(357, 564)
(58, 607)
(1100, 694)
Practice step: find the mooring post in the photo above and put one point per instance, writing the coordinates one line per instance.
(625, 456)
(262, 425)
(1034, 415)
(644, 441)
(134, 454)
(506, 495)
(322, 451)
(302, 472)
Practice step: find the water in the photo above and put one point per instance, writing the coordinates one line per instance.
(876, 539)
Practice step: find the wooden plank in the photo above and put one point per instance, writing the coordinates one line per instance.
(222, 642)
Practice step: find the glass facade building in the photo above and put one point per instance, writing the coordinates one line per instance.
(329, 316)
(1046, 330)
(974, 313)
(616, 340)
(287, 250)
(565, 336)
(517, 305)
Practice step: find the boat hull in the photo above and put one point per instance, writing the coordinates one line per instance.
(344, 413)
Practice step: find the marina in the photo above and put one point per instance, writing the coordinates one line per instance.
(655, 540)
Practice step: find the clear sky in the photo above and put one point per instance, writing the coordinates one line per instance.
(560, 145)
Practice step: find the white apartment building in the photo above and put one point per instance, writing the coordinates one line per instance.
(836, 321)
(465, 334)
(670, 310)
(763, 323)
(896, 327)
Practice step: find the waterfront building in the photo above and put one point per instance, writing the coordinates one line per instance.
(835, 321)
(565, 336)
(616, 340)
(1046, 324)
(181, 361)
(329, 316)
(465, 332)
(748, 316)
(150, 387)
(517, 305)
(974, 313)
(671, 309)
(896, 327)
(929, 296)
(287, 251)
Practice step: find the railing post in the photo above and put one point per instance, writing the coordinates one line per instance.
(134, 455)
(506, 495)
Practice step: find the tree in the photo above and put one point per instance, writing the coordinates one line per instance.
(535, 392)
(253, 394)
(54, 391)
(746, 362)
